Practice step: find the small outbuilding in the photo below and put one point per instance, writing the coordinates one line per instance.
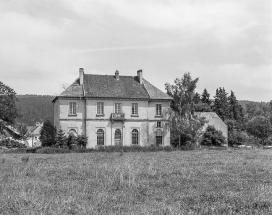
(214, 120)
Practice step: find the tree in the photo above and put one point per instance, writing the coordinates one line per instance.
(47, 134)
(197, 98)
(205, 97)
(260, 127)
(221, 104)
(184, 125)
(21, 127)
(82, 141)
(61, 140)
(213, 137)
(8, 110)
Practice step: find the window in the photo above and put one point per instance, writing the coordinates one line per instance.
(158, 124)
(135, 136)
(72, 132)
(100, 137)
(100, 108)
(118, 137)
(134, 110)
(117, 108)
(159, 137)
(158, 110)
(72, 108)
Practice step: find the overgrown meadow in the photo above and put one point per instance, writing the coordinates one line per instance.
(177, 182)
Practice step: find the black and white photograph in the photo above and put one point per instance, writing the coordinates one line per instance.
(147, 107)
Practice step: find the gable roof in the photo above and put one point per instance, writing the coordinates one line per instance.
(107, 86)
(211, 116)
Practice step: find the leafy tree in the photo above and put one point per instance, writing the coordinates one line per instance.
(48, 134)
(260, 127)
(61, 139)
(221, 104)
(184, 125)
(182, 92)
(8, 110)
(213, 137)
(237, 137)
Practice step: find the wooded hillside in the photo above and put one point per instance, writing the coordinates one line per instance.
(37, 107)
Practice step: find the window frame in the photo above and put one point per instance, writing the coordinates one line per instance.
(158, 110)
(120, 108)
(99, 110)
(135, 130)
(100, 131)
(72, 129)
(72, 109)
(159, 138)
(159, 124)
(134, 109)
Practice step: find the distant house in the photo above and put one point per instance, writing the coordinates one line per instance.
(214, 120)
(113, 110)
(9, 132)
(34, 135)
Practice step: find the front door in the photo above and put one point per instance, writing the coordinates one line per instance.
(117, 137)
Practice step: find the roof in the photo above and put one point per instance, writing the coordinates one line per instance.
(9, 127)
(210, 116)
(34, 129)
(107, 86)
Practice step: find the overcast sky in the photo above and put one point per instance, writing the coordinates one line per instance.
(226, 43)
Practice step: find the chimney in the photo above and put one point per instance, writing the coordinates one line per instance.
(117, 75)
(81, 74)
(140, 76)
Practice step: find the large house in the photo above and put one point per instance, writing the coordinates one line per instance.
(114, 110)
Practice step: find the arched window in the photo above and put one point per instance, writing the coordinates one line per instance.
(100, 137)
(159, 137)
(72, 132)
(118, 137)
(135, 136)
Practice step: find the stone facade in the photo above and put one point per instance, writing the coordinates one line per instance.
(111, 128)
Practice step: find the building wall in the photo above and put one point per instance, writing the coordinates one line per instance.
(145, 123)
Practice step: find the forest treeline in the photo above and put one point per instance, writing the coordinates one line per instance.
(34, 107)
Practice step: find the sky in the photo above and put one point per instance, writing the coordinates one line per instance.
(225, 43)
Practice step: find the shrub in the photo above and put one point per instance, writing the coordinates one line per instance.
(213, 137)
(51, 150)
(32, 150)
(237, 138)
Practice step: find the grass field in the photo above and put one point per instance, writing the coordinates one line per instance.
(178, 182)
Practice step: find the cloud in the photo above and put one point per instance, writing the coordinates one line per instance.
(225, 43)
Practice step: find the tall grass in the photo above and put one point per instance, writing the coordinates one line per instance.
(179, 182)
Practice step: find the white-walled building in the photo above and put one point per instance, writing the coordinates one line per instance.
(114, 110)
